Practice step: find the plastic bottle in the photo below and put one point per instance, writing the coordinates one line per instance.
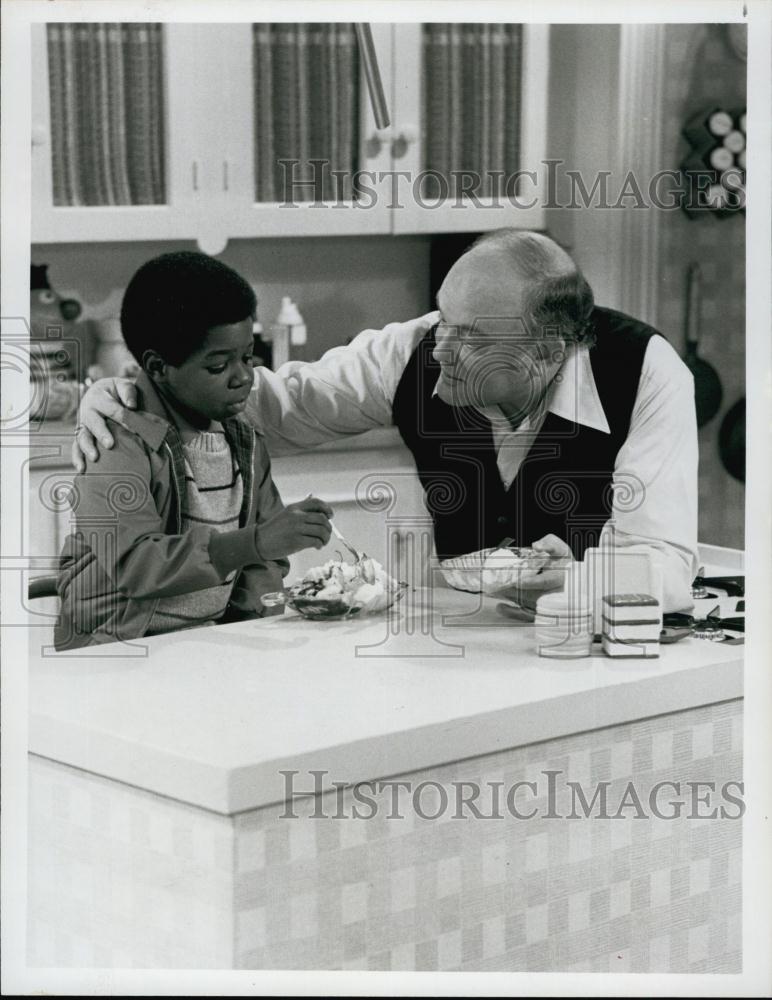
(289, 315)
(289, 329)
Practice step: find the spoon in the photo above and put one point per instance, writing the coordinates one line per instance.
(362, 558)
(357, 555)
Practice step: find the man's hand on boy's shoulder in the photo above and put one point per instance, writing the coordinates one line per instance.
(109, 397)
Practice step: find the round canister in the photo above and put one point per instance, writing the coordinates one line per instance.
(563, 626)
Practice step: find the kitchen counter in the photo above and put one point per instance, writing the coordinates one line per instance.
(162, 834)
(159, 834)
(210, 717)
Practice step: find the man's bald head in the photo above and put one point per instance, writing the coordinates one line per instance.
(508, 307)
(532, 254)
(552, 292)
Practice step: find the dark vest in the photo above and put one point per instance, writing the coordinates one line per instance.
(564, 485)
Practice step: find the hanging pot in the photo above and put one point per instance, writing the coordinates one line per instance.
(731, 440)
(707, 385)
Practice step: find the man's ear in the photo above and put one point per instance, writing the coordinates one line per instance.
(155, 366)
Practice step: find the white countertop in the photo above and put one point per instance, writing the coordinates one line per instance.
(211, 716)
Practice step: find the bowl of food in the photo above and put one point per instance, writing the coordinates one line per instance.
(489, 570)
(339, 589)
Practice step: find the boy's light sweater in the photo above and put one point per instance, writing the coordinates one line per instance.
(213, 497)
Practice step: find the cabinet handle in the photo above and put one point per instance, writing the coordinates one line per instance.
(225, 175)
(195, 175)
(375, 143)
(403, 140)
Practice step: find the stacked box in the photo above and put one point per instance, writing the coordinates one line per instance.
(631, 625)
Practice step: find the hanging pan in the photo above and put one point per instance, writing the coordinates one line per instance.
(731, 440)
(707, 384)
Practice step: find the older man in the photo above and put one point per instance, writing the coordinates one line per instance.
(530, 412)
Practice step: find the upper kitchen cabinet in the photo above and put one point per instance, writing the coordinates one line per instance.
(468, 105)
(302, 151)
(470, 112)
(113, 154)
(132, 142)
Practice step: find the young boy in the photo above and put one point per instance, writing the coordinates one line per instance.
(181, 524)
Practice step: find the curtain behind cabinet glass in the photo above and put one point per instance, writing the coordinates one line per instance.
(306, 80)
(472, 75)
(107, 119)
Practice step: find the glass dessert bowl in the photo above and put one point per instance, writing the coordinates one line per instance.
(338, 590)
(490, 570)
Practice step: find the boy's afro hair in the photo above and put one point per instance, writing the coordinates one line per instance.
(174, 300)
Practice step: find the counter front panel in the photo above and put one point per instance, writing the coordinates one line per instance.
(122, 877)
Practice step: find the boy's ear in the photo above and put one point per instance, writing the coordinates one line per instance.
(155, 366)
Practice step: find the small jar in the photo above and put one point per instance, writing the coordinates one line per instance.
(563, 626)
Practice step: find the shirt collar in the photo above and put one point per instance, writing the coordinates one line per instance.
(154, 422)
(574, 397)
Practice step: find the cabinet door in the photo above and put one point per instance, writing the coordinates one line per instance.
(302, 156)
(470, 102)
(115, 115)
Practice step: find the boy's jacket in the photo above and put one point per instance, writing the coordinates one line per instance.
(111, 576)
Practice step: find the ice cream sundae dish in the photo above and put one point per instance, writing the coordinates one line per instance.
(490, 570)
(339, 589)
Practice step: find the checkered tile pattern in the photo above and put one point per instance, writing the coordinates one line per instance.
(537, 895)
(121, 877)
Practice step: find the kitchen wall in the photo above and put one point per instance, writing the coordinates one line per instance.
(341, 285)
(702, 72)
(584, 75)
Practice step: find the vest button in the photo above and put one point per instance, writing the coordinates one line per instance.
(502, 520)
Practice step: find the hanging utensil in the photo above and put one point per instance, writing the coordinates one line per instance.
(707, 385)
(731, 440)
(372, 75)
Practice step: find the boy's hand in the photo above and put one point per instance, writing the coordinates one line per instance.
(106, 398)
(303, 525)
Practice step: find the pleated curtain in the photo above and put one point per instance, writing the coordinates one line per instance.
(107, 113)
(306, 107)
(472, 93)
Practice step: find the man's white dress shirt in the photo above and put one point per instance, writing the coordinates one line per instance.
(351, 389)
